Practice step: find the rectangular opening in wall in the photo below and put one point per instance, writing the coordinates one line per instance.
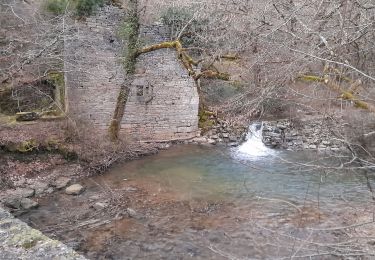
(43, 97)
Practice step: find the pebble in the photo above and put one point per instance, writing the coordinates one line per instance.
(131, 189)
(200, 140)
(211, 141)
(132, 213)
(100, 205)
(74, 189)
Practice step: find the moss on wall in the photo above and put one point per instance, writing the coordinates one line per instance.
(56, 78)
(34, 146)
(207, 119)
(114, 127)
(129, 31)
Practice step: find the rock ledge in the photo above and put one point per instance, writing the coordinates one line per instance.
(19, 241)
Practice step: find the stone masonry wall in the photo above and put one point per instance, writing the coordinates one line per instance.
(93, 69)
(163, 101)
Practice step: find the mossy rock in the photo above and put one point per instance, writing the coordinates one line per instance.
(23, 147)
(57, 79)
(27, 116)
(26, 238)
(205, 121)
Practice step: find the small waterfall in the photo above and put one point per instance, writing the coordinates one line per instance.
(254, 146)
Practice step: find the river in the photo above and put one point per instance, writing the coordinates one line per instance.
(201, 202)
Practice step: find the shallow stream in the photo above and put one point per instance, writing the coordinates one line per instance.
(200, 202)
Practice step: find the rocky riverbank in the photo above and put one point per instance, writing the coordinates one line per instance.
(222, 133)
(19, 241)
(302, 135)
(307, 134)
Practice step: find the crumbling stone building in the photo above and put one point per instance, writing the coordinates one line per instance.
(163, 100)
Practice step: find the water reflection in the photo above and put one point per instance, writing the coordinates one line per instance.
(191, 172)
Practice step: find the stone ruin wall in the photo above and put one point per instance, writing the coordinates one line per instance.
(163, 100)
(93, 69)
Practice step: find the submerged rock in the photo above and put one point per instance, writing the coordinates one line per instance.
(16, 202)
(24, 193)
(28, 204)
(13, 202)
(39, 187)
(16, 198)
(132, 213)
(100, 205)
(61, 182)
(74, 189)
(49, 190)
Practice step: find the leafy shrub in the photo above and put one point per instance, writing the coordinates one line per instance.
(87, 7)
(82, 7)
(56, 6)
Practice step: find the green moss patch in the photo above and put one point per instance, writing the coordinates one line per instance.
(206, 121)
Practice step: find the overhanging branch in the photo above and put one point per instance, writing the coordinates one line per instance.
(187, 61)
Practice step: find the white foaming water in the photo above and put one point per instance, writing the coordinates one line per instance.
(254, 146)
